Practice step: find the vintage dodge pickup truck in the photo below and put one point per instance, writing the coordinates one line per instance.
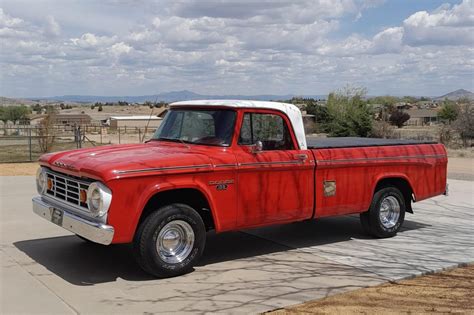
(229, 165)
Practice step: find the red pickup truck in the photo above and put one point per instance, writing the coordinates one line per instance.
(229, 165)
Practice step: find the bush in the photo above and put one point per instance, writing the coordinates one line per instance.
(448, 112)
(382, 129)
(398, 118)
(348, 113)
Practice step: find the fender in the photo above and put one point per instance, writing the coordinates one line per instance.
(395, 176)
(167, 186)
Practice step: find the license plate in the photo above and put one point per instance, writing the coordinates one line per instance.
(57, 216)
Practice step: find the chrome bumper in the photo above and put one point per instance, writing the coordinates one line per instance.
(94, 231)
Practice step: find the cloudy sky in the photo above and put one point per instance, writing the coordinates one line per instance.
(135, 47)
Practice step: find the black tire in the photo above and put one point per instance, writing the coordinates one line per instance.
(144, 243)
(371, 221)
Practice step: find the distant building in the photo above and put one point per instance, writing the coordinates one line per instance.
(134, 121)
(72, 119)
(422, 117)
(64, 119)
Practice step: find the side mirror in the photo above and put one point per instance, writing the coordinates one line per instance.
(257, 147)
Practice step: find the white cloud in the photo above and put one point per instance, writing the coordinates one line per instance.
(52, 27)
(445, 26)
(230, 47)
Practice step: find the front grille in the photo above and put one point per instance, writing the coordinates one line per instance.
(66, 188)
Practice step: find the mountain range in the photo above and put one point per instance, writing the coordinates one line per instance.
(188, 95)
(168, 97)
(455, 95)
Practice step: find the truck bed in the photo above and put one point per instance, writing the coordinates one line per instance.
(351, 142)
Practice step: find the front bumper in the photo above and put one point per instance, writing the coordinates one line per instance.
(94, 231)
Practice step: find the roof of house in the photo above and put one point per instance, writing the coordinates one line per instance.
(142, 117)
(293, 112)
(71, 116)
(421, 113)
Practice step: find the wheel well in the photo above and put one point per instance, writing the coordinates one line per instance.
(188, 196)
(403, 185)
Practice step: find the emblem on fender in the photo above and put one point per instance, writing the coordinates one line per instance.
(221, 184)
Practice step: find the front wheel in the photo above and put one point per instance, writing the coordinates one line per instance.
(386, 213)
(170, 241)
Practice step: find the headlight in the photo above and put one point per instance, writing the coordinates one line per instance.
(41, 180)
(99, 198)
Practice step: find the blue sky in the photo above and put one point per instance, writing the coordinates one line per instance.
(136, 47)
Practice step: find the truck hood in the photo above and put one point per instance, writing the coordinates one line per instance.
(108, 162)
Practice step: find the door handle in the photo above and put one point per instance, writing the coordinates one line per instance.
(301, 157)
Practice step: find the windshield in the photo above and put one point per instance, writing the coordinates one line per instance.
(210, 127)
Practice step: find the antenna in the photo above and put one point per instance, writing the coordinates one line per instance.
(149, 118)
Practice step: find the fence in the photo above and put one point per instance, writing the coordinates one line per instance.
(22, 143)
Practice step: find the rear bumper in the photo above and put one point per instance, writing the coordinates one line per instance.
(94, 231)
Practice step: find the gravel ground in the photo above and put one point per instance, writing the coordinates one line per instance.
(444, 292)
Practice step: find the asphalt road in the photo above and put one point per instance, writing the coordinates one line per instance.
(44, 269)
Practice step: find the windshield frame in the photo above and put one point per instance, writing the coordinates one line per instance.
(198, 109)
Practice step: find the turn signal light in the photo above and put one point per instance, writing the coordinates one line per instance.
(50, 184)
(83, 196)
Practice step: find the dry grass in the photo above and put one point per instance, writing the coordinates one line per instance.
(18, 169)
(444, 292)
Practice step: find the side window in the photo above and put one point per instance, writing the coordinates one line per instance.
(270, 129)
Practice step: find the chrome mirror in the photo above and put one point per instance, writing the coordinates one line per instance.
(257, 147)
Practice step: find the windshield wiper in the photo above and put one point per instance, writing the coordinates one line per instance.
(174, 140)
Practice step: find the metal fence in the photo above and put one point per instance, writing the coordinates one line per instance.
(22, 143)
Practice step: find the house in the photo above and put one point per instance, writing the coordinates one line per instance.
(422, 117)
(134, 121)
(64, 119)
(72, 119)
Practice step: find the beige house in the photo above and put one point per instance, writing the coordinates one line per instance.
(134, 121)
(422, 117)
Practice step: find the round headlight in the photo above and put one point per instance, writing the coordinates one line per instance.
(41, 180)
(98, 199)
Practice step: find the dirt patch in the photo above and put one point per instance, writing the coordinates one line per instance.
(444, 292)
(18, 169)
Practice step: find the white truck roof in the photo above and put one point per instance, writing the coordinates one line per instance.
(293, 113)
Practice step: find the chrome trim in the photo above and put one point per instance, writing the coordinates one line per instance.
(225, 165)
(94, 231)
(271, 163)
(383, 158)
(167, 168)
(66, 189)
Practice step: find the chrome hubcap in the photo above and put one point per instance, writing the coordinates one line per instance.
(175, 241)
(389, 211)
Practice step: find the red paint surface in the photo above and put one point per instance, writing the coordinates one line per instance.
(269, 187)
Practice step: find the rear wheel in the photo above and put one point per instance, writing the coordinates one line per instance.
(170, 241)
(386, 213)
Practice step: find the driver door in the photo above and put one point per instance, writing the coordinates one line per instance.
(275, 184)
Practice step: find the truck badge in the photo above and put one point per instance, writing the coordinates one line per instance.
(329, 188)
(221, 184)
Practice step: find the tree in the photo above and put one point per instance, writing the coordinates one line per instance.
(448, 112)
(15, 114)
(100, 108)
(464, 125)
(398, 118)
(37, 108)
(348, 113)
(46, 133)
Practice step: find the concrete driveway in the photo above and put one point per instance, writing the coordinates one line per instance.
(44, 269)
